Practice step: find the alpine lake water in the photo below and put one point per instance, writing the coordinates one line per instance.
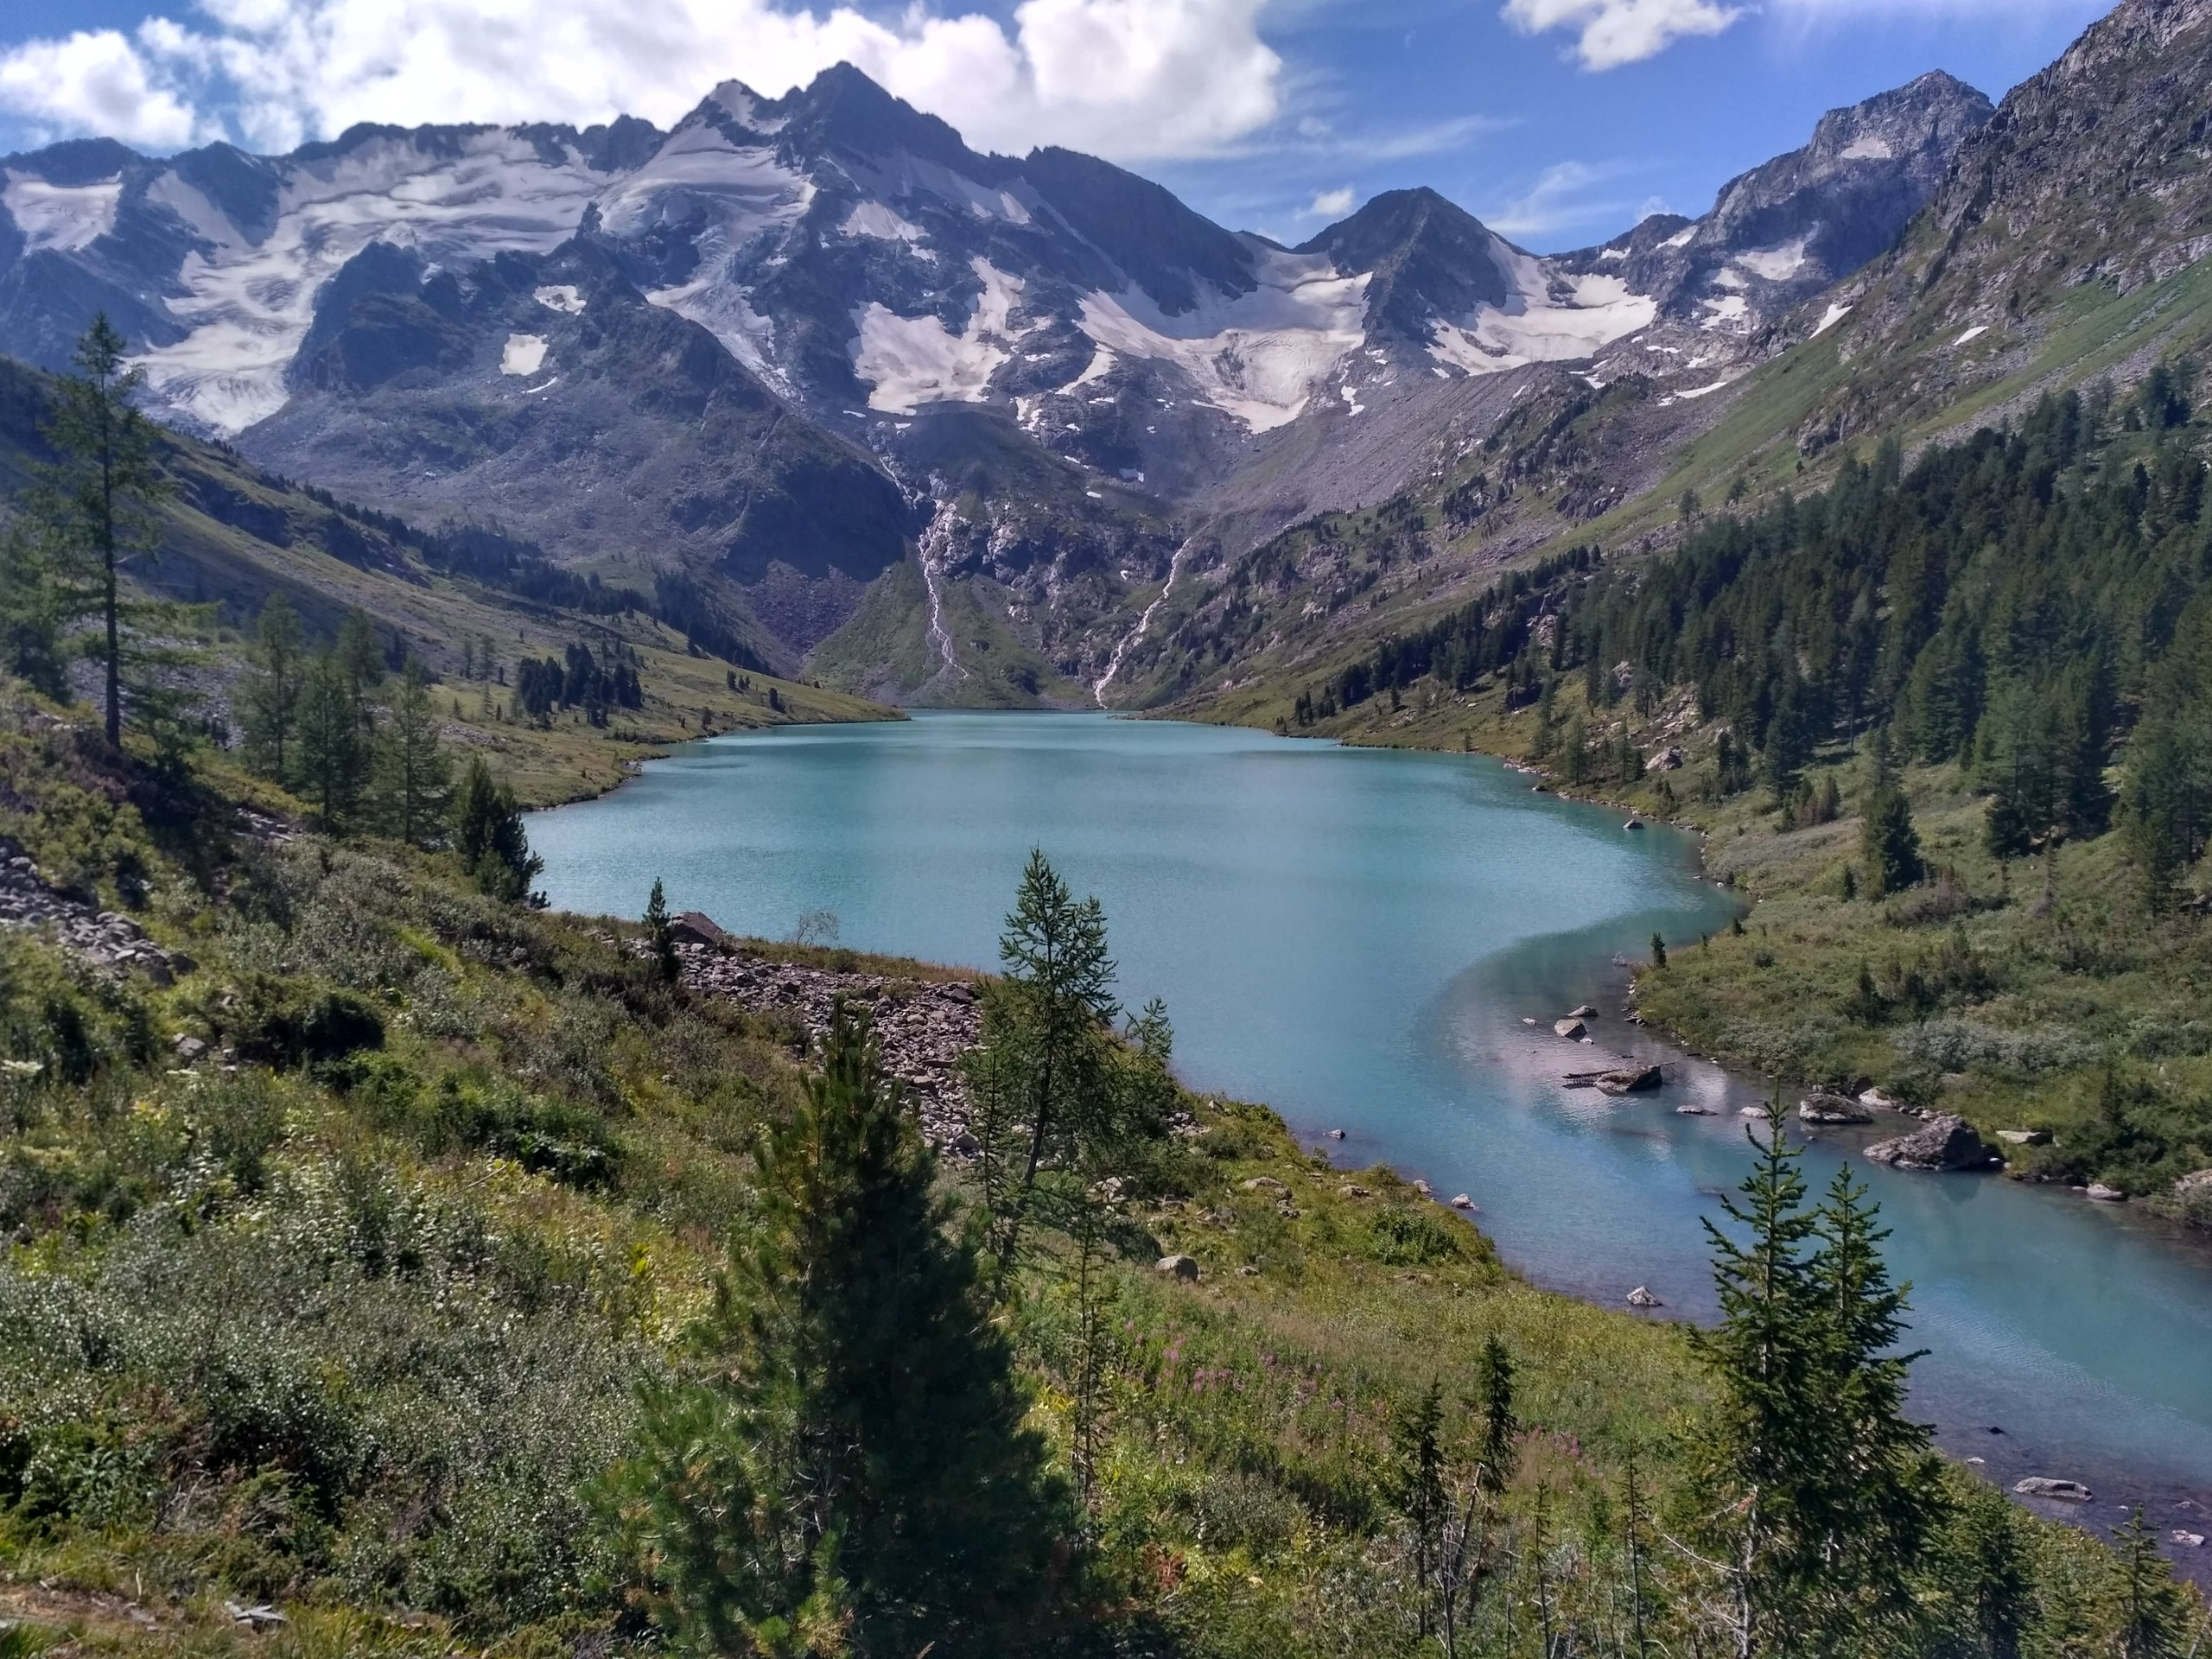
(1356, 937)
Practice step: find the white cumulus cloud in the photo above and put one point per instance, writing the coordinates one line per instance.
(96, 81)
(1332, 204)
(1610, 33)
(1133, 80)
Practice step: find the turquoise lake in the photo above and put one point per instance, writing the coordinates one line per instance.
(1356, 937)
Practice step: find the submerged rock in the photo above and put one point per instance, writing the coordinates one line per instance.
(1946, 1142)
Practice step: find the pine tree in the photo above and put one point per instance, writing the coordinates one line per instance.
(360, 663)
(1043, 1076)
(1889, 843)
(488, 834)
(270, 692)
(1416, 1491)
(2152, 1611)
(847, 1471)
(1877, 1503)
(334, 755)
(1749, 1467)
(659, 935)
(414, 777)
(33, 612)
(95, 505)
(1989, 1571)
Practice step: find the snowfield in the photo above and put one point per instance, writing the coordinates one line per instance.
(911, 361)
(1532, 328)
(1258, 357)
(248, 305)
(525, 354)
(63, 217)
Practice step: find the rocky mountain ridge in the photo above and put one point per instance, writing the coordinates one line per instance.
(818, 358)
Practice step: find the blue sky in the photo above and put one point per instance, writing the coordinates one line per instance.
(1274, 115)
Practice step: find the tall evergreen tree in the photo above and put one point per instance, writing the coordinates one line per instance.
(847, 1470)
(1889, 844)
(334, 754)
(1877, 1503)
(1044, 1076)
(414, 778)
(33, 613)
(1750, 1469)
(1417, 1492)
(661, 936)
(270, 692)
(489, 836)
(2152, 1613)
(95, 504)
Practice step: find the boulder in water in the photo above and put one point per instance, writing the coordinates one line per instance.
(1946, 1142)
(2044, 1486)
(1823, 1107)
(1634, 1080)
(1570, 1029)
(1641, 1297)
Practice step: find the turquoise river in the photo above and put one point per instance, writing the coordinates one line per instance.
(1358, 937)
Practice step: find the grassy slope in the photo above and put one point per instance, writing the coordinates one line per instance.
(354, 1337)
(218, 561)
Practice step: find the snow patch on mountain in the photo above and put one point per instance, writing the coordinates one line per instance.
(700, 173)
(1835, 313)
(63, 217)
(910, 361)
(562, 297)
(248, 306)
(873, 219)
(523, 354)
(1776, 265)
(1101, 365)
(1533, 326)
(1258, 357)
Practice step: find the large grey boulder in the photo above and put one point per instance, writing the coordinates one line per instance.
(1944, 1143)
(1822, 1108)
(1185, 1267)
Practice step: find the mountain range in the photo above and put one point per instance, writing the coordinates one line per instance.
(942, 426)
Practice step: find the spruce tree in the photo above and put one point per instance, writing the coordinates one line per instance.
(2152, 1613)
(489, 836)
(269, 691)
(847, 1470)
(1889, 843)
(95, 505)
(414, 777)
(1416, 1491)
(334, 754)
(1750, 1466)
(1874, 1493)
(33, 612)
(659, 935)
(1043, 1075)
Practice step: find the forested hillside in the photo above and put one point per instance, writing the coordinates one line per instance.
(1952, 717)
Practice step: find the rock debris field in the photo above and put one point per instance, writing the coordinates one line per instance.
(921, 1026)
(99, 937)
